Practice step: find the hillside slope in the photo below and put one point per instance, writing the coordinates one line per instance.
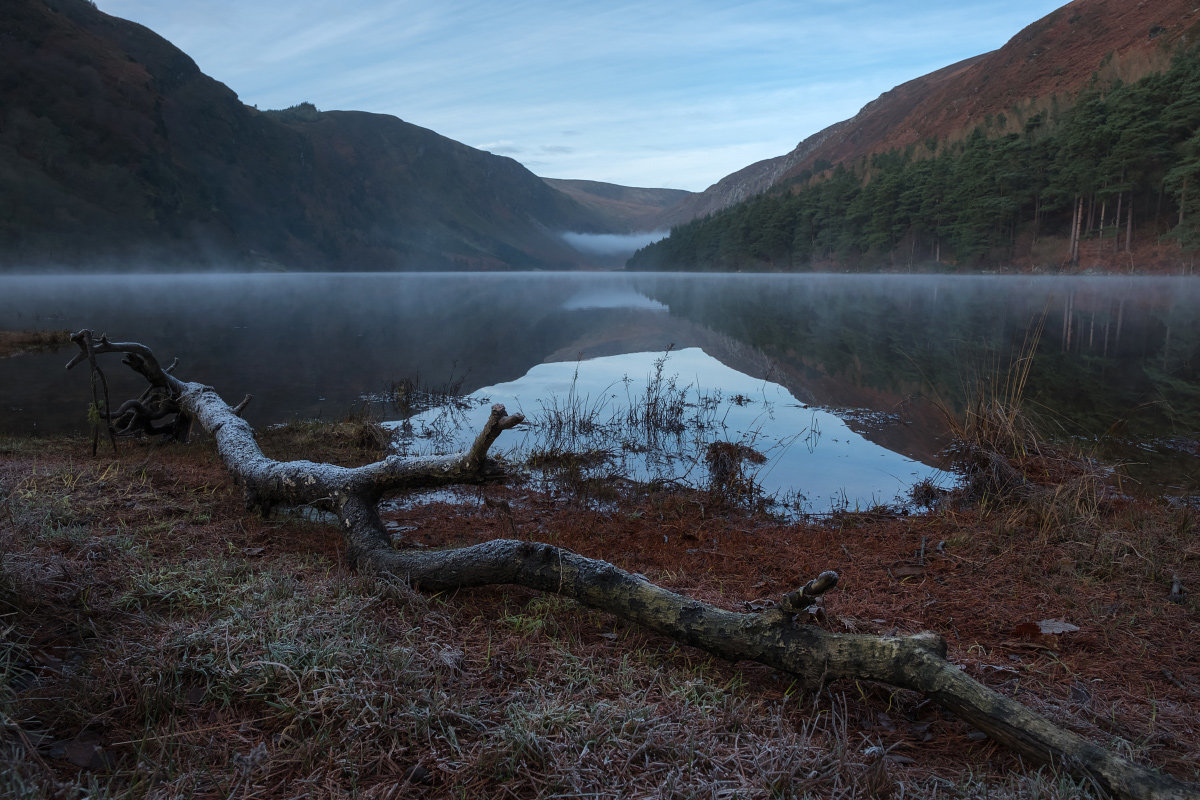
(1104, 183)
(627, 209)
(116, 151)
(1047, 62)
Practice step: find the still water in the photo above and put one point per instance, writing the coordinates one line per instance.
(842, 376)
(653, 417)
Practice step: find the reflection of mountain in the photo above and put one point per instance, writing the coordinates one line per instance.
(314, 344)
(807, 450)
(302, 344)
(1111, 350)
(611, 297)
(907, 425)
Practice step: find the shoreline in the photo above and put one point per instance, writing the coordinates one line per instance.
(16, 342)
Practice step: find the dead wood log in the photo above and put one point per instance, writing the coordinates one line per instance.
(772, 637)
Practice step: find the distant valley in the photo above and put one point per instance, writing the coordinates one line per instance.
(1072, 147)
(117, 152)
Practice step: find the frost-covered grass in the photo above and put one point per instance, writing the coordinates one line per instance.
(158, 641)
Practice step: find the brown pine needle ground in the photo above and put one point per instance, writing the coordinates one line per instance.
(159, 641)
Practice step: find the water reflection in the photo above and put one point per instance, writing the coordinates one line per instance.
(611, 297)
(1118, 359)
(654, 416)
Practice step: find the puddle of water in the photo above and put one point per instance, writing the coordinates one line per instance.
(652, 417)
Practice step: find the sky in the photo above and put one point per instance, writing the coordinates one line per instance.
(655, 93)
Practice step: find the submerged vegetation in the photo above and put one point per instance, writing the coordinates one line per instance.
(603, 435)
(1044, 187)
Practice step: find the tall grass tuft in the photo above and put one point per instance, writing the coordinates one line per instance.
(1009, 461)
(662, 407)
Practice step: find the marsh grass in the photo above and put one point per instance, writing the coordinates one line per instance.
(732, 468)
(355, 439)
(631, 436)
(1044, 496)
(409, 399)
(1011, 464)
(663, 435)
(411, 395)
(661, 408)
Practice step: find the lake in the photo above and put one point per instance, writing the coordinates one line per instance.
(838, 380)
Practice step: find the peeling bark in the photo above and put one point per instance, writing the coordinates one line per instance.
(772, 637)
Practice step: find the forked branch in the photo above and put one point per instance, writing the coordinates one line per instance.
(771, 637)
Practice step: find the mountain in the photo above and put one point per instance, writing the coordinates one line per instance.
(627, 209)
(1044, 65)
(762, 175)
(117, 151)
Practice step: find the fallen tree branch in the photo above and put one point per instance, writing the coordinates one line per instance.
(88, 352)
(771, 637)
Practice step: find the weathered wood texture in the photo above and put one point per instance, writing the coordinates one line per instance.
(771, 637)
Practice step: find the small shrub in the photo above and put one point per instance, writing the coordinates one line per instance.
(730, 478)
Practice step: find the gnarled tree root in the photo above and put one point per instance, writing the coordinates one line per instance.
(770, 637)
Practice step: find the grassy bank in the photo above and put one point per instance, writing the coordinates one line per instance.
(159, 641)
(14, 343)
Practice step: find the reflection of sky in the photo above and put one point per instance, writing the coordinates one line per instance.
(611, 297)
(808, 450)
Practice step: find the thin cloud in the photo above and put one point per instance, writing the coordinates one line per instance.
(501, 148)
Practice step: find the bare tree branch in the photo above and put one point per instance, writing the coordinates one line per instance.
(771, 637)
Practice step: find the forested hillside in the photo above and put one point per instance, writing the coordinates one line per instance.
(1115, 170)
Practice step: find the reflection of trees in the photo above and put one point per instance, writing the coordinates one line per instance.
(1108, 349)
(1109, 346)
(1174, 369)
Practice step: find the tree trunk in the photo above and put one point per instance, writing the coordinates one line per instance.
(771, 637)
(1076, 221)
(1183, 198)
(1037, 217)
(1129, 225)
(1117, 223)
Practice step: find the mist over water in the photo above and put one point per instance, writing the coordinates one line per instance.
(613, 244)
(1114, 354)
